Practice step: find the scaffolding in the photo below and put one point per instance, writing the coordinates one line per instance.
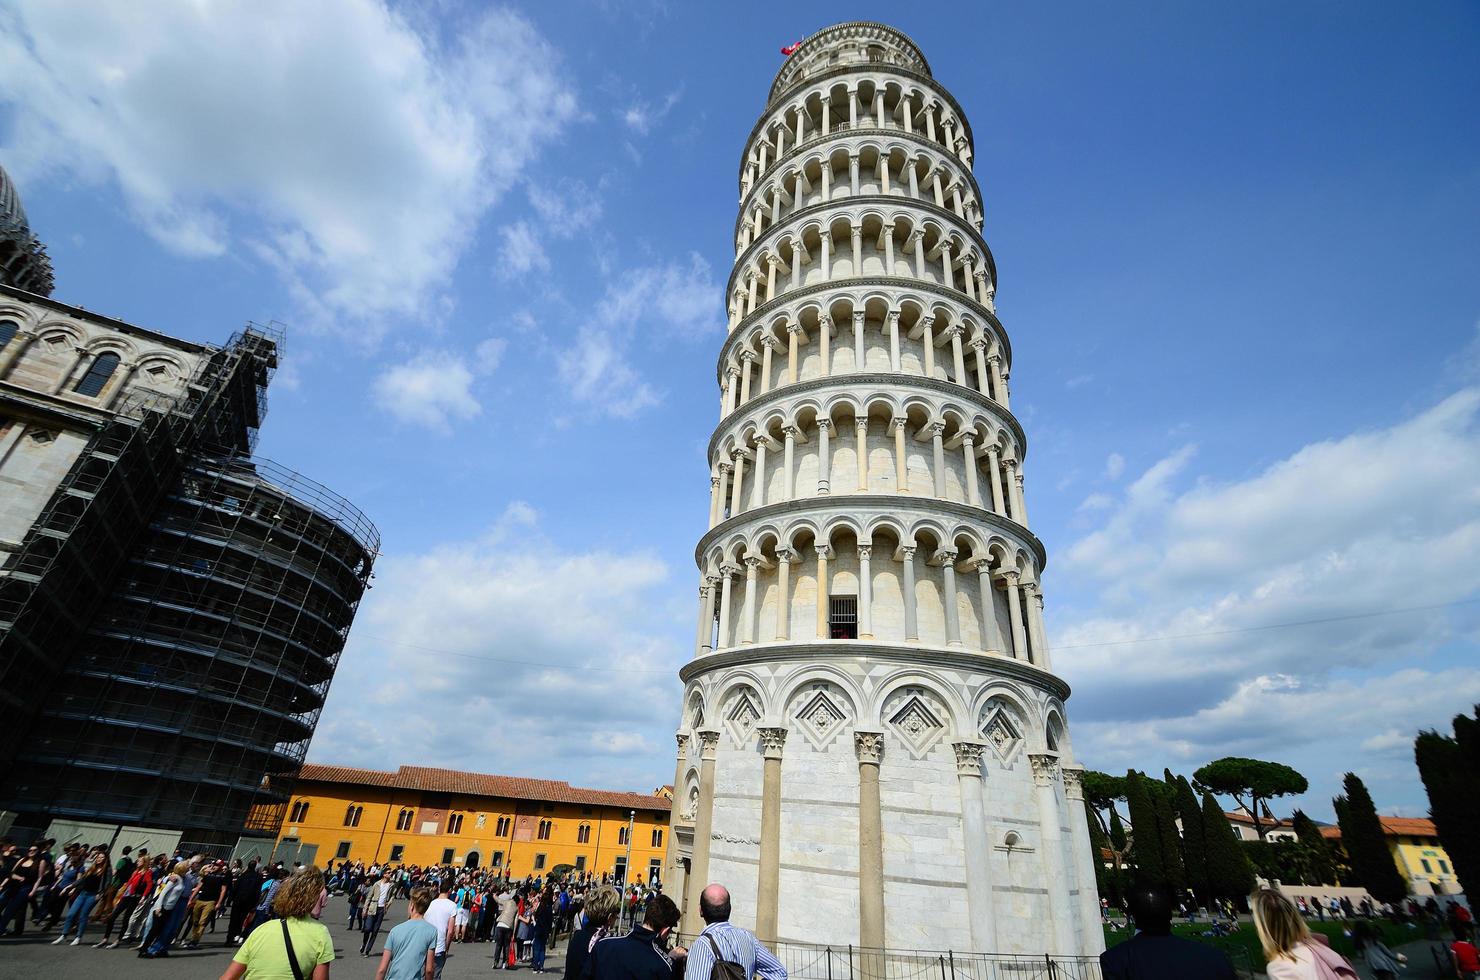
(170, 625)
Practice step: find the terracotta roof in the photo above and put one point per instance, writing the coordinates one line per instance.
(481, 784)
(1395, 827)
(1239, 816)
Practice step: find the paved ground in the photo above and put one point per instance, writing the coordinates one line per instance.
(33, 956)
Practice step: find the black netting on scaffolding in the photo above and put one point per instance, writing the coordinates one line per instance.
(170, 626)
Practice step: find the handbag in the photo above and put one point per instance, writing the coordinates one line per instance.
(292, 956)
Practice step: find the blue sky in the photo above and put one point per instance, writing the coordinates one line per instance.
(1237, 247)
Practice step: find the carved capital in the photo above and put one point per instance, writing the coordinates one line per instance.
(1073, 782)
(937, 428)
(748, 356)
(861, 424)
(729, 571)
(784, 555)
(753, 561)
(869, 746)
(682, 738)
(769, 342)
(865, 552)
(773, 741)
(823, 424)
(708, 743)
(825, 552)
(969, 757)
(1045, 768)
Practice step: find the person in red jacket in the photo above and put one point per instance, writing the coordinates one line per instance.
(139, 884)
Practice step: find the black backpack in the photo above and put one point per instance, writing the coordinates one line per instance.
(723, 969)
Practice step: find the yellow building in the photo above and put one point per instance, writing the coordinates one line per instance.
(1416, 850)
(424, 816)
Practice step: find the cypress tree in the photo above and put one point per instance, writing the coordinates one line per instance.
(1318, 852)
(1166, 830)
(1229, 874)
(1194, 837)
(1366, 845)
(1450, 770)
(1145, 837)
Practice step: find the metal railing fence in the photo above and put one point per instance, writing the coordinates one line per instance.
(809, 961)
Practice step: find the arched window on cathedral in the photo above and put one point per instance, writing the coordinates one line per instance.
(8, 330)
(97, 376)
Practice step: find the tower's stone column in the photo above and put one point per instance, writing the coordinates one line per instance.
(1092, 935)
(870, 748)
(768, 888)
(703, 828)
(1051, 841)
(670, 860)
(978, 845)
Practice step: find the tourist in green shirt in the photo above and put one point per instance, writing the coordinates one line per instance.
(410, 949)
(264, 956)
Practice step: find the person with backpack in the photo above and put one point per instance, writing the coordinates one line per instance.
(725, 951)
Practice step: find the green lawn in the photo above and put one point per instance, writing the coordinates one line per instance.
(1243, 945)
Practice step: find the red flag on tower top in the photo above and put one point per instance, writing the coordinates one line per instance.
(790, 49)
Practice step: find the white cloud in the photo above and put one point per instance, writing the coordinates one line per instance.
(508, 654)
(1275, 613)
(682, 295)
(520, 251)
(332, 139)
(489, 355)
(566, 207)
(596, 374)
(642, 116)
(1114, 466)
(431, 391)
(597, 368)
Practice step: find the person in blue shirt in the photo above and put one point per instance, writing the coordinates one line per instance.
(410, 947)
(732, 943)
(1153, 953)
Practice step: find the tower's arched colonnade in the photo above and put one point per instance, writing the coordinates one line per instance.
(873, 749)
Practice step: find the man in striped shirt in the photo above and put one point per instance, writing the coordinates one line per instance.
(734, 945)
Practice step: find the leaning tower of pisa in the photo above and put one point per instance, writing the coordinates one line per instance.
(873, 748)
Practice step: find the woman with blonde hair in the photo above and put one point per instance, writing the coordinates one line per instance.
(295, 946)
(1292, 952)
(603, 905)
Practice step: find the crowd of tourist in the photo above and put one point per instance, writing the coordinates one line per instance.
(153, 904)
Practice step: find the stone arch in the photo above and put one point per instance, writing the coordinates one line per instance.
(916, 709)
(742, 705)
(695, 710)
(821, 702)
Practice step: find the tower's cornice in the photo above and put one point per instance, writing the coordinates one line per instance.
(846, 31)
(872, 381)
(880, 500)
(913, 654)
(861, 135)
(862, 201)
(909, 284)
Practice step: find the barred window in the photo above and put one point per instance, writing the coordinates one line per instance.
(842, 617)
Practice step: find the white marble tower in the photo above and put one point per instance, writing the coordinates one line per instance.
(873, 747)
